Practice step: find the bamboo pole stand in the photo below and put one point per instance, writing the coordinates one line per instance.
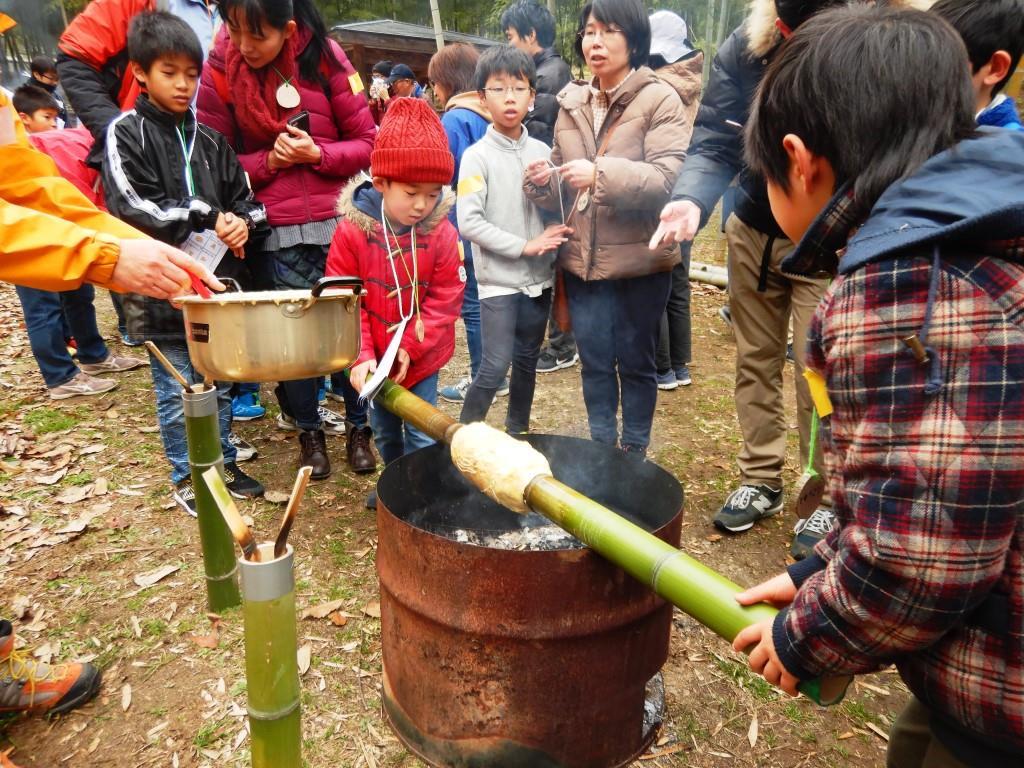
(202, 433)
(271, 665)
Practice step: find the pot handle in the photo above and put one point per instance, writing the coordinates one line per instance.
(341, 281)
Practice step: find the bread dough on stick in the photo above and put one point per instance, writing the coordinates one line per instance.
(498, 464)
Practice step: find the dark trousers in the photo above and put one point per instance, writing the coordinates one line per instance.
(674, 338)
(48, 316)
(616, 326)
(513, 330)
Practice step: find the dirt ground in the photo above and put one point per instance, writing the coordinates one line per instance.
(86, 512)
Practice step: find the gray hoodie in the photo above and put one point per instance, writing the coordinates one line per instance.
(496, 216)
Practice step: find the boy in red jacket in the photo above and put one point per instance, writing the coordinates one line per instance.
(395, 235)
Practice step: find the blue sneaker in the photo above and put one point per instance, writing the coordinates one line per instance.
(455, 393)
(683, 376)
(128, 341)
(321, 395)
(247, 407)
(667, 381)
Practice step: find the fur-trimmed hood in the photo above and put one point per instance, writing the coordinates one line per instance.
(348, 208)
(763, 37)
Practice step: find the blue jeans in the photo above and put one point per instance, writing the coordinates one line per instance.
(395, 438)
(616, 325)
(45, 316)
(471, 311)
(171, 415)
(355, 412)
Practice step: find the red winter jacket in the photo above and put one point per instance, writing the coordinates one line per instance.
(340, 124)
(358, 249)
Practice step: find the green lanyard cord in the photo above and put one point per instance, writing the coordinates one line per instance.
(815, 422)
(189, 180)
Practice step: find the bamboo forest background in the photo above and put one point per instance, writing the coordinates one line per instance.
(40, 22)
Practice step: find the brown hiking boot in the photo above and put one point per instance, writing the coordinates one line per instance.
(359, 450)
(34, 687)
(313, 453)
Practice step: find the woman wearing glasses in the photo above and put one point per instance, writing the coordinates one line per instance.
(619, 145)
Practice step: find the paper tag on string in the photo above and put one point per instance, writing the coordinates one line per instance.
(376, 381)
(206, 248)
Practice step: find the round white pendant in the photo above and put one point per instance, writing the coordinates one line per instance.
(583, 202)
(288, 96)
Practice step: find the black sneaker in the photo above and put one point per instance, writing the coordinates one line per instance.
(810, 531)
(371, 500)
(240, 484)
(746, 505)
(550, 361)
(185, 496)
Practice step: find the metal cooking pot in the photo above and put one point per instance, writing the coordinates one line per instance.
(274, 335)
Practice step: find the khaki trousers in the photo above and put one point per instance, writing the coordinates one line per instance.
(912, 745)
(760, 321)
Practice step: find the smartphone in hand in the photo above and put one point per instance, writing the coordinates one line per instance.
(300, 121)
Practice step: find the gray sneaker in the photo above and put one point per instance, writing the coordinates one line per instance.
(746, 505)
(113, 364)
(332, 423)
(82, 384)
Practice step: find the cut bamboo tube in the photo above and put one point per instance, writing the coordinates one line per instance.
(230, 513)
(691, 586)
(203, 435)
(271, 662)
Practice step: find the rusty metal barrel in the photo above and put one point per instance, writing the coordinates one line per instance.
(519, 658)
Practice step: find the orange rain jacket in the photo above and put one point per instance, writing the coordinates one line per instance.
(51, 236)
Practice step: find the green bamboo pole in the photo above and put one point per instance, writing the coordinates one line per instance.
(688, 584)
(202, 432)
(271, 665)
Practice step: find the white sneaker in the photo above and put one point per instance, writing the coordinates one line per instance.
(246, 450)
(332, 423)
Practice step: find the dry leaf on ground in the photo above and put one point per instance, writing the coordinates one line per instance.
(323, 610)
(150, 578)
(752, 731)
(304, 656)
(126, 697)
(372, 609)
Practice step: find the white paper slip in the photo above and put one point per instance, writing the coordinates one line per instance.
(206, 248)
(376, 381)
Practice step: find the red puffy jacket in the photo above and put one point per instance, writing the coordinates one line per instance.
(340, 124)
(358, 249)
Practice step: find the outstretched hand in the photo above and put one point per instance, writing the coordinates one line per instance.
(156, 269)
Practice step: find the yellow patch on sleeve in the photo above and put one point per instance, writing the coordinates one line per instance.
(819, 393)
(471, 185)
(355, 82)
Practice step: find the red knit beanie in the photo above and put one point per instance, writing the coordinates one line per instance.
(411, 145)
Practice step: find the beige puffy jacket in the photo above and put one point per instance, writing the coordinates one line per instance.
(635, 174)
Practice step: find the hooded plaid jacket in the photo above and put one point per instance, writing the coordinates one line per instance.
(925, 460)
